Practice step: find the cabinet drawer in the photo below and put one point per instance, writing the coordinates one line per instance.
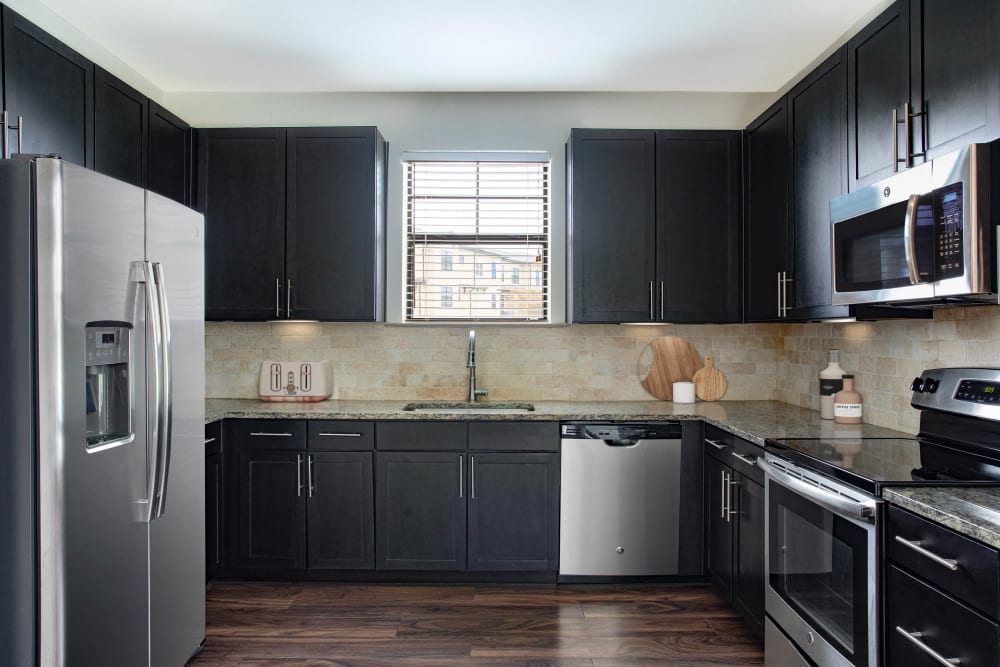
(514, 436)
(270, 433)
(718, 444)
(975, 579)
(744, 452)
(415, 436)
(341, 436)
(946, 627)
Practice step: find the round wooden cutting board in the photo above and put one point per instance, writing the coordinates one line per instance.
(673, 360)
(710, 383)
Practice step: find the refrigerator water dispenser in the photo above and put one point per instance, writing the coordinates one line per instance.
(109, 385)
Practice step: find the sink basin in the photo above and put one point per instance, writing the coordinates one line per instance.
(470, 408)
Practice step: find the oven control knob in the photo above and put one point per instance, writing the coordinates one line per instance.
(917, 385)
(620, 550)
(931, 385)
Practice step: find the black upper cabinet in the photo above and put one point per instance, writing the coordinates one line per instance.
(241, 191)
(940, 57)
(335, 220)
(316, 253)
(817, 124)
(877, 61)
(767, 167)
(954, 73)
(52, 88)
(646, 208)
(697, 225)
(169, 151)
(120, 129)
(612, 181)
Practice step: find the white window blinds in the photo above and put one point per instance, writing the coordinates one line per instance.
(477, 237)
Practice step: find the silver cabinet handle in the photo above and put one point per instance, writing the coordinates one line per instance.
(729, 499)
(472, 477)
(263, 434)
(949, 563)
(895, 140)
(719, 446)
(341, 435)
(915, 638)
(722, 488)
(779, 294)
(652, 314)
(461, 476)
(309, 475)
(784, 292)
(298, 474)
(663, 312)
(277, 298)
(6, 128)
(749, 460)
(288, 300)
(209, 441)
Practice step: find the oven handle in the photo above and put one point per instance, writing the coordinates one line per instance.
(910, 238)
(864, 510)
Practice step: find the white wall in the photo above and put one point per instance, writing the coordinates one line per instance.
(471, 121)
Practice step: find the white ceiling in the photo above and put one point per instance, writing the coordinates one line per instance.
(465, 45)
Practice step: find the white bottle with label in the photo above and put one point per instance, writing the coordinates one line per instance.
(847, 403)
(830, 383)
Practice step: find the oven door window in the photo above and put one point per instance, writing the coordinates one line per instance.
(819, 566)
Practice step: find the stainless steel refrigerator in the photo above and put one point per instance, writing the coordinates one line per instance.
(102, 395)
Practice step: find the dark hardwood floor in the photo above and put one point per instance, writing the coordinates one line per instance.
(339, 625)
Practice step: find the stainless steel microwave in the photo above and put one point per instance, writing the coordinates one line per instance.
(925, 236)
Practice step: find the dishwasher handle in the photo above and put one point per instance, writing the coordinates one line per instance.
(623, 442)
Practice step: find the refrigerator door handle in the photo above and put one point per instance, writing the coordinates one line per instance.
(167, 392)
(143, 273)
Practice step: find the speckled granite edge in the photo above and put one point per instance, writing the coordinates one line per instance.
(971, 511)
(751, 420)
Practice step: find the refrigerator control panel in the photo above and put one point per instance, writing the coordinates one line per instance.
(295, 380)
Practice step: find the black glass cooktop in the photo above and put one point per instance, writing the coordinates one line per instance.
(872, 463)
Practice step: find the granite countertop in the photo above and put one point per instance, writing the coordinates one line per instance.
(971, 511)
(751, 420)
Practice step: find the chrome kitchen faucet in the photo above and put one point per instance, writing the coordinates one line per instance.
(471, 363)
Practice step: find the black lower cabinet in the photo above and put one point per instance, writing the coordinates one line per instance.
(272, 524)
(514, 512)
(734, 523)
(340, 520)
(420, 504)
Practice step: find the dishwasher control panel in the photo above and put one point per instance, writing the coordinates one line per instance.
(624, 431)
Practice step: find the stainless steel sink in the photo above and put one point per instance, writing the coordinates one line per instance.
(470, 408)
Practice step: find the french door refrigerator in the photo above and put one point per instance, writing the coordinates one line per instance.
(101, 388)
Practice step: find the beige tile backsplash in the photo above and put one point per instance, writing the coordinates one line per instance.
(601, 362)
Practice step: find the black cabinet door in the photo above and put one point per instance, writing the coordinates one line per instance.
(955, 73)
(877, 61)
(335, 223)
(241, 191)
(698, 226)
(612, 221)
(169, 155)
(514, 511)
(214, 494)
(272, 496)
(340, 522)
(420, 504)
(718, 527)
(766, 185)
(817, 123)
(51, 87)
(120, 129)
(749, 579)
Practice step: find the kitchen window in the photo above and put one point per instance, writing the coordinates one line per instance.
(492, 208)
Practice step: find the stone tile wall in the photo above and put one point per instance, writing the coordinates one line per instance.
(559, 363)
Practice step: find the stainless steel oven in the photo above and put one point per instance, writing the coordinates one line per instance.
(821, 565)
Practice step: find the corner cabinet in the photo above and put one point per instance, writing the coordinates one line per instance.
(940, 61)
(295, 223)
(734, 523)
(646, 208)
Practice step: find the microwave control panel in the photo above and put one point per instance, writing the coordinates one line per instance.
(948, 210)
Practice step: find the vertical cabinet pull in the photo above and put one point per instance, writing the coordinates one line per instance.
(277, 298)
(309, 476)
(472, 478)
(779, 294)
(652, 313)
(729, 500)
(298, 474)
(663, 312)
(722, 488)
(288, 300)
(908, 154)
(461, 476)
(7, 127)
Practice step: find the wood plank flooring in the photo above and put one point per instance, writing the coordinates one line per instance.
(349, 625)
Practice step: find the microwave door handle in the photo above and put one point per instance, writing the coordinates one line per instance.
(910, 238)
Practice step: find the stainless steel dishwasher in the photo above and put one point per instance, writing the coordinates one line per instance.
(620, 499)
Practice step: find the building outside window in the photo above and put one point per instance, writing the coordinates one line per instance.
(491, 209)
